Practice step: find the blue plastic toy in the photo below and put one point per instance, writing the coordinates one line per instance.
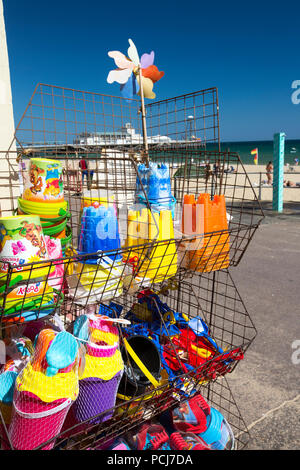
(7, 385)
(157, 186)
(218, 434)
(99, 232)
(62, 353)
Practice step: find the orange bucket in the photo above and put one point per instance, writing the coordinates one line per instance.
(210, 252)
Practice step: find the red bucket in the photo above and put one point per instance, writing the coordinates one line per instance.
(35, 422)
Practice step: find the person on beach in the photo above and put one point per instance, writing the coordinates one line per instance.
(217, 168)
(269, 171)
(22, 172)
(208, 172)
(83, 165)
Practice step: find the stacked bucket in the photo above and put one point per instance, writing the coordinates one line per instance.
(210, 250)
(44, 196)
(24, 269)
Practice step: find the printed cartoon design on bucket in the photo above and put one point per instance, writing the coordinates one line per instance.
(44, 182)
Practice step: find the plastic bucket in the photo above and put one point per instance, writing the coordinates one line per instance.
(99, 230)
(35, 422)
(43, 209)
(134, 381)
(44, 181)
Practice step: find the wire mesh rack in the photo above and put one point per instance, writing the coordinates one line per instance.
(63, 118)
(162, 335)
(217, 394)
(114, 237)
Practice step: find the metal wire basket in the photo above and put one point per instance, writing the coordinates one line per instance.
(150, 252)
(182, 370)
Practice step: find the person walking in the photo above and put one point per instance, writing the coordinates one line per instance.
(269, 171)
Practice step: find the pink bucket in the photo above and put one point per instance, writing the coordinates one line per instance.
(35, 422)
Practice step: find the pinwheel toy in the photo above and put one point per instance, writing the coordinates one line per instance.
(136, 76)
(134, 73)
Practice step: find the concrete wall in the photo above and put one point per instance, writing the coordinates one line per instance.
(8, 166)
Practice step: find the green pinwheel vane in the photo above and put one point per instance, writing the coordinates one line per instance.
(136, 76)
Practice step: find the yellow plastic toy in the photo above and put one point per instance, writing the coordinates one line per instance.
(159, 261)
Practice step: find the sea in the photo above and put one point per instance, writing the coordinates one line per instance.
(265, 150)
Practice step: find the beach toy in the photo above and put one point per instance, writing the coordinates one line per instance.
(91, 283)
(22, 242)
(7, 386)
(149, 436)
(54, 247)
(197, 417)
(185, 346)
(142, 366)
(158, 261)
(44, 391)
(94, 199)
(187, 441)
(99, 231)
(134, 73)
(28, 302)
(54, 216)
(103, 369)
(191, 415)
(24, 257)
(18, 349)
(44, 181)
(46, 211)
(153, 185)
(208, 218)
(8, 376)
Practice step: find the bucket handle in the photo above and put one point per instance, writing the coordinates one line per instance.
(140, 364)
(43, 414)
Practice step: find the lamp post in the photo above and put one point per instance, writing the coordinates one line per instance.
(190, 120)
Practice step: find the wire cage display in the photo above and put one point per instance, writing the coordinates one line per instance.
(217, 394)
(112, 255)
(122, 232)
(62, 119)
(215, 202)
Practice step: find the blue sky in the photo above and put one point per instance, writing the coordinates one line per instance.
(249, 51)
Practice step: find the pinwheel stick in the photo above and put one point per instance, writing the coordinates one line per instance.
(143, 110)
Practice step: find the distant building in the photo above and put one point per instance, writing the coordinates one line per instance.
(125, 136)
